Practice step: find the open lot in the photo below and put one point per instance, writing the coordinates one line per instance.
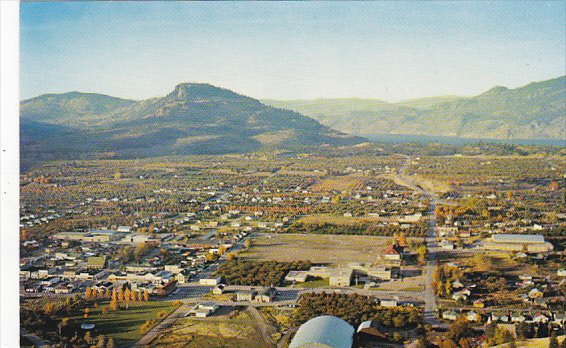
(335, 250)
(218, 330)
(124, 325)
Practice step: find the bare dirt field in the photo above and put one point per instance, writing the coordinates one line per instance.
(335, 250)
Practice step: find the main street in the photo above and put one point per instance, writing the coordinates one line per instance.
(430, 307)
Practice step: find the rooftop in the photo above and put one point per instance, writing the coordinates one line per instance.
(518, 238)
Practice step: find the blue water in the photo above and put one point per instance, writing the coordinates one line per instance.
(425, 139)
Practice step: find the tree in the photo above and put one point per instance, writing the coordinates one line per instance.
(222, 250)
(231, 256)
(113, 306)
(146, 295)
(248, 243)
(422, 251)
(553, 341)
(87, 337)
(49, 309)
(459, 328)
(110, 343)
(88, 293)
(100, 341)
(449, 343)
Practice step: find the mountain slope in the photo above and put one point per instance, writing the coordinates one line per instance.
(67, 107)
(192, 119)
(537, 110)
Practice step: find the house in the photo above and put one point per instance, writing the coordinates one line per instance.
(540, 318)
(449, 315)
(64, 288)
(183, 277)
(479, 304)
(457, 284)
(218, 289)
(447, 245)
(265, 295)
(517, 317)
(459, 295)
(559, 318)
(535, 293)
(561, 272)
(245, 295)
(473, 316)
(164, 290)
(499, 316)
(393, 252)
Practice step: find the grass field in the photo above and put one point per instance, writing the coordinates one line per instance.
(532, 343)
(215, 331)
(331, 249)
(124, 324)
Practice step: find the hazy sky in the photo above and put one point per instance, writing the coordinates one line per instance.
(291, 50)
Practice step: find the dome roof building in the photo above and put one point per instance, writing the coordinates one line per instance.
(324, 332)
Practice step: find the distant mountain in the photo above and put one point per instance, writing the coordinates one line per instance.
(192, 119)
(537, 110)
(66, 107)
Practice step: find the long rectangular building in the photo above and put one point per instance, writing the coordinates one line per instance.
(533, 243)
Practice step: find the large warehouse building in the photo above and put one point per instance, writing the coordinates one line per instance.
(324, 332)
(533, 243)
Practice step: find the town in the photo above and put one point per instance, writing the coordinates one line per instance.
(396, 247)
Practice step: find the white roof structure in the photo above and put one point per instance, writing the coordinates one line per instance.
(518, 238)
(324, 332)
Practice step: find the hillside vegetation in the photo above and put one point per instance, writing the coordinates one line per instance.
(535, 111)
(192, 119)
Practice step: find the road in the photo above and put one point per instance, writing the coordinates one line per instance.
(149, 336)
(430, 307)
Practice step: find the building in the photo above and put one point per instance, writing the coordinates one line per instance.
(324, 332)
(245, 295)
(210, 281)
(393, 253)
(340, 277)
(203, 310)
(532, 243)
(96, 262)
(218, 289)
(265, 295)
(370, 330)
(296, 276)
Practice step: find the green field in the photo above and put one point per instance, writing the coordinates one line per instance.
(124, 324)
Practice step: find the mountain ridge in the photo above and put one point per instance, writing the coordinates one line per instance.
(194, 118)
(536, 110)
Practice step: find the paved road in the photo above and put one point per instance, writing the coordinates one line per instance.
(149, 336)
(429, 298)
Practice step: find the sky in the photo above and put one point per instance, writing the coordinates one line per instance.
(290, 50)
